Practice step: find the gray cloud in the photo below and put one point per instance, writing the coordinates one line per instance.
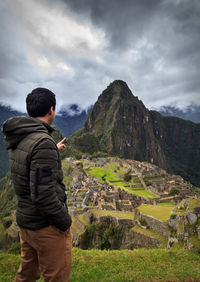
(76, 48)
(125, 22)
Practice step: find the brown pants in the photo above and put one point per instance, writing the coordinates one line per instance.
(47, 251)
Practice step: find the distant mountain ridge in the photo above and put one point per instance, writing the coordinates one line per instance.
(5, 113)
(71, 119)
(190, 113)
(107, 120)
(66, 122)
(121, 125)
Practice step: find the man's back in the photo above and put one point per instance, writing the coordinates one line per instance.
(36, 173)
(42, 214)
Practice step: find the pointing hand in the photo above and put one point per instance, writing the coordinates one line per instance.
(60, 145)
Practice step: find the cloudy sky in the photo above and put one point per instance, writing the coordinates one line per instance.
(77, 47)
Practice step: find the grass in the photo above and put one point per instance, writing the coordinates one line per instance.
(82, 220)
(141, 193)
(99, 172)
(114, 213)
(194, 240)
(67, 172)
(114, 166)
(111, 177)
(158, 211)
(166, 204)
(117, 266)
(193, 203)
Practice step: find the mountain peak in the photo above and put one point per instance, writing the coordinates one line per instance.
(118, 87)
(115, 109)
(118, 83)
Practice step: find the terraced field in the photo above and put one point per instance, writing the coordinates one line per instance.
(160, 212)
(113, 174)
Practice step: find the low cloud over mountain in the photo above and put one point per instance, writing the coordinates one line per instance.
(76, 48)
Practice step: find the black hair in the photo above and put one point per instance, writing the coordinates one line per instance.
(39, 102)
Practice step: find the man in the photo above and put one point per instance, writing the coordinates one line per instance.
(42, 214)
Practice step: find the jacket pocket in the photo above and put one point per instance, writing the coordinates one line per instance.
(43, 175)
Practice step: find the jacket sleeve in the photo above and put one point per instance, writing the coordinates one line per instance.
(44, 186)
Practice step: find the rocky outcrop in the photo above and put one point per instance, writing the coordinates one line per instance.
(185, 221)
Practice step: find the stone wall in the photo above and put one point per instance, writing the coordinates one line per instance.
(135, 239)
(92, 217)
(131, 238)
(151, 222)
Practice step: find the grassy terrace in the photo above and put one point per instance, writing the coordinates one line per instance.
(100, 172)
(67, 172)
(142, 193)
(153, 177)
(115, 179)
(166, 204)
(116, 266)
(111, 173)
(193, 203)
(158, 211)
(82, 220)
(115, 166)
(76, 221)
(148, 179)
(119, 214)
(76, 227)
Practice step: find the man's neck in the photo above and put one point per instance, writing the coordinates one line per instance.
(44, 119)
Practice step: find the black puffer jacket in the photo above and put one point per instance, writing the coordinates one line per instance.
(37, 175)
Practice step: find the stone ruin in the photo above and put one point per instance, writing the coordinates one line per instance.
(87, 190)
(88, 193)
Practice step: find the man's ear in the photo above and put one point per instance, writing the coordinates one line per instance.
(50, 111)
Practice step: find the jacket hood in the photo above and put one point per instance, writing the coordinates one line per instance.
(17, 128)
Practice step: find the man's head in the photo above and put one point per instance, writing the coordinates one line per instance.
(41, 103)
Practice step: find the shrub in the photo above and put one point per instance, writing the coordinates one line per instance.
(15, 248)
(174, 191)
(143, 221)
(103, 177)
(127, 176)
(147, 182)
(7, 221)
(98, 155)
(172, 216)
(107, 234)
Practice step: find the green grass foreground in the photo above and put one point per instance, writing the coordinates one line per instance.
(119, 266)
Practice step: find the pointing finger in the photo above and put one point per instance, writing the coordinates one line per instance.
(63, 140)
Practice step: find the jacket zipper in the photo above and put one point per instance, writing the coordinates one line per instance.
(37, 177)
